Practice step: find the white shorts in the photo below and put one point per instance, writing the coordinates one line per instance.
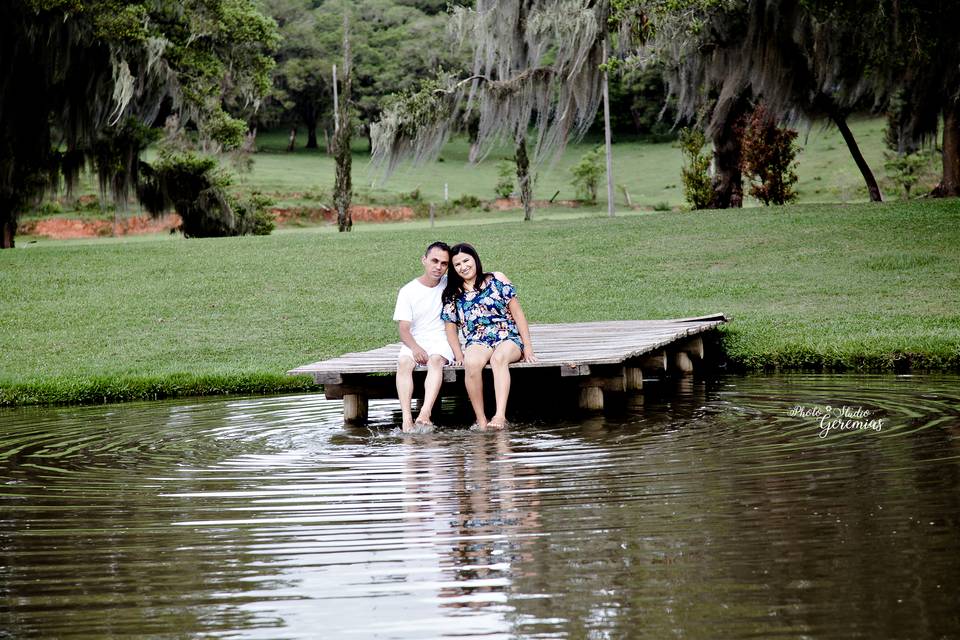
(432, 347)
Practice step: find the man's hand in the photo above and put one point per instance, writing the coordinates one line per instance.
(420, 356)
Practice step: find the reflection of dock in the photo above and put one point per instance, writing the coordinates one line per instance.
(594, 358)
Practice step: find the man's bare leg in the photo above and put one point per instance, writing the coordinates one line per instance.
(475, 358)
(505, 353)
(405, 367)
(431, 387)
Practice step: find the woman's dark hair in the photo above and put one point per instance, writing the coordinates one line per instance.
(454, 282)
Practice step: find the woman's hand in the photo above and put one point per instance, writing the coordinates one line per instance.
(529, 355)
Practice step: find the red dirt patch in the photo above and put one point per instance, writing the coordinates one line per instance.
(360, 213)
(65, 228)
(509, 204)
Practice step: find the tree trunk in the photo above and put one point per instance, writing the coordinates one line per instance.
(872, 186)
(523, 179)
(727, 156)
(368, 134)
(950, 184)
(343, 187)
(309, 116)
(9, 225)
(293, 139)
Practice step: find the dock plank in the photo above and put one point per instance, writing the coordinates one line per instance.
(557, 345)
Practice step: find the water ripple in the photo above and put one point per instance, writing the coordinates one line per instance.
(699, 509)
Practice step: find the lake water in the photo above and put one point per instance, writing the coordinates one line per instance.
(707, 509)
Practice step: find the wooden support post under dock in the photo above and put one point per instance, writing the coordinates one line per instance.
(589, 359)
(633, 378)
(355, 407)
(688, 353)
(591, 398)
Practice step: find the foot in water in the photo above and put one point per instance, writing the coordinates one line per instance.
(497, 423)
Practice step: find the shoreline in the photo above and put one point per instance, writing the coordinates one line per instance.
(831, 288)
(101, 390)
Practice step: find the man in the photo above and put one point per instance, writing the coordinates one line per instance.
(422, 332)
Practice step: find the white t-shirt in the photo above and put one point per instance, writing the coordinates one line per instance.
(420, 305)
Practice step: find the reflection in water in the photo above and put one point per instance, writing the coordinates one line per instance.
(702, 509)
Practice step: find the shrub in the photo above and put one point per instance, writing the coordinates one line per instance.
(697, 186)
(587, 174)
(252, 215)
(196, 187)
(908, 169)
(768, 158)
(49, 208)
(316, 193)
(412, 197)
(467, 201)
(505, 176)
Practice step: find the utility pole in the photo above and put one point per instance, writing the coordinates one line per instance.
(606, 131)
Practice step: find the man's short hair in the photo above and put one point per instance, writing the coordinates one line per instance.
(437, 245)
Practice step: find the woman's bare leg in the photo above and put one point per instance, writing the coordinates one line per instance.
(475, 357)
(505, 353)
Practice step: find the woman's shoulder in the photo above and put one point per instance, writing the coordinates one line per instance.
(498, 275)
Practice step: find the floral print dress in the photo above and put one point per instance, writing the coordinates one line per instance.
(482, 315)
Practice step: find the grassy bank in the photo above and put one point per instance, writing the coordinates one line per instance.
(810, 286)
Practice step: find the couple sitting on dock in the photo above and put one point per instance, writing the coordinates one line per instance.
(457, 314)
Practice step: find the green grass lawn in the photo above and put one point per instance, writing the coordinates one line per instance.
(650, 172)
(808, 286)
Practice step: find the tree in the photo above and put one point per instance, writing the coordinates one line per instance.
(82, 77)
(697, 186)
(387, 39)
(768, 158)
(301, 78)
(904, 55)
(523, 178)
(639, 104)
(587, 174)
(536, 66)
(919, 56)
(506, 171)
(719, 56)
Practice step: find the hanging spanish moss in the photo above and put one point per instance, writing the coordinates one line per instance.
(536, 65)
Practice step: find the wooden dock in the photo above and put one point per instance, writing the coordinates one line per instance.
(593, 358)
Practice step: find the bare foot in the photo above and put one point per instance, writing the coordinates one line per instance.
(424, 421)
(497, 423)
(407, 426)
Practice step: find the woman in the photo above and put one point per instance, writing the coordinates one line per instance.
(485, 308)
